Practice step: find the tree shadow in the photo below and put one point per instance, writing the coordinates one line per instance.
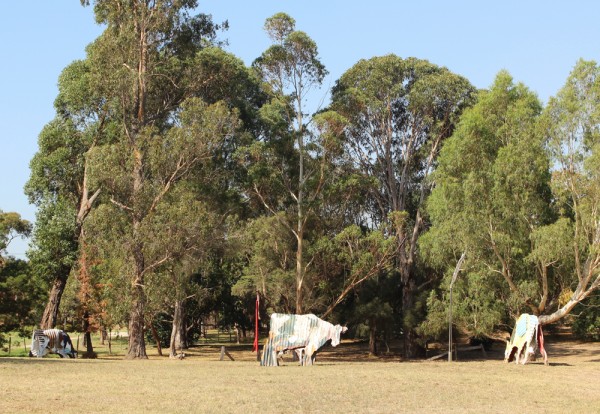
(559, 364)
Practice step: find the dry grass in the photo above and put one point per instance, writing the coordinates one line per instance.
(346, 381)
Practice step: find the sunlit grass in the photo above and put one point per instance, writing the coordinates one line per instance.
(202, 383)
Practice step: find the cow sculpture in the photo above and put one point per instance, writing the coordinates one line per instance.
(51, 340)
(526, 336)
(304, 334)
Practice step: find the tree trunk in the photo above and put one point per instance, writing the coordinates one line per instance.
(156, 339)
(412, 349)
(137, 343)
(50, 316)
(87, 337)
(178, 337)
(373, 338)
(299, 276)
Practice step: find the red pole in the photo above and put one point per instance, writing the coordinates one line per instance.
(256, 318)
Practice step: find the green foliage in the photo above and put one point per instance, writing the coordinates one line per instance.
(21, 295)
(269, 251)
(586, 323)
(11, 226)
(293, 59)
(491, 197)
(55, 246)
(215, 184)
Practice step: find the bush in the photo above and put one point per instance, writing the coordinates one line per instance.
(586, 323)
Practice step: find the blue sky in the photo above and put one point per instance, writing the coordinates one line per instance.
(538, 42)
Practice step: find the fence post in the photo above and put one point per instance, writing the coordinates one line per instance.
(223, 353)
(9, 344)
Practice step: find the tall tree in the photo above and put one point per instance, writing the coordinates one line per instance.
(141, 66)
(58, 184)
(291, 69)
(492, 198)
(571, 124)
(399, 112)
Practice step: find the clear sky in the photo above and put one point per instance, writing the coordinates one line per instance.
(537, 41)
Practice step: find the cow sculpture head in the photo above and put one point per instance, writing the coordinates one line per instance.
(339, 330)
(67, 347)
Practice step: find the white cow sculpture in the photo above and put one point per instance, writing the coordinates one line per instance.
(526, 336)
(304, 334)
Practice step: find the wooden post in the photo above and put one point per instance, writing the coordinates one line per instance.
(450, 326)
(109, 342)
(223, 353)
(9, 344)
(25, 345)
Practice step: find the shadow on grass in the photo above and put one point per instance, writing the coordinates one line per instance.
(559, 364)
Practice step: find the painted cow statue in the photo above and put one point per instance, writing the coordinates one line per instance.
(51, 340)
(526, 336)
(304, 334)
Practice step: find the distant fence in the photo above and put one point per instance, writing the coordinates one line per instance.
(11, 345)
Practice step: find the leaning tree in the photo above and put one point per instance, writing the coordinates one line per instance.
(571, 126)
(491, 195)
(516, 188)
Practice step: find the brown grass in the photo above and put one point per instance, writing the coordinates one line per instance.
(344, 381)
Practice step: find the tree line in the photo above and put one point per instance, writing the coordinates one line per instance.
(176, 182)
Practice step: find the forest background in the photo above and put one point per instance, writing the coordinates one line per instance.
(321, 207)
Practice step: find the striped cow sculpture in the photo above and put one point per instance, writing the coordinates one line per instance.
(526, 337)
(51, 340)
(304, 334)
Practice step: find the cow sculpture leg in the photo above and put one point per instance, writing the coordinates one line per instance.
(540, 339)
(527, 335)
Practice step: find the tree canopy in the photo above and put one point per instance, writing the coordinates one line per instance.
(174, 183)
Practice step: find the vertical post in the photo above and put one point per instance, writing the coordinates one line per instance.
(256, 318)
(9, 344)
(454, 275)
(450, 326)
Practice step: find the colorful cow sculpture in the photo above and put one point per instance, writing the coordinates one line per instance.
(526, 336)
(304, 334)
(51, 340)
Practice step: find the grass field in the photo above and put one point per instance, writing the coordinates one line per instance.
(344, 380)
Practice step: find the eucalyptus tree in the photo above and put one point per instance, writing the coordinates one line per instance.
(518, 189)
(11, 227)
(289, 171)
(571, 126)
(492, 199)
(19, 290)
(143, 67)
(58, 183)
(399, 112)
